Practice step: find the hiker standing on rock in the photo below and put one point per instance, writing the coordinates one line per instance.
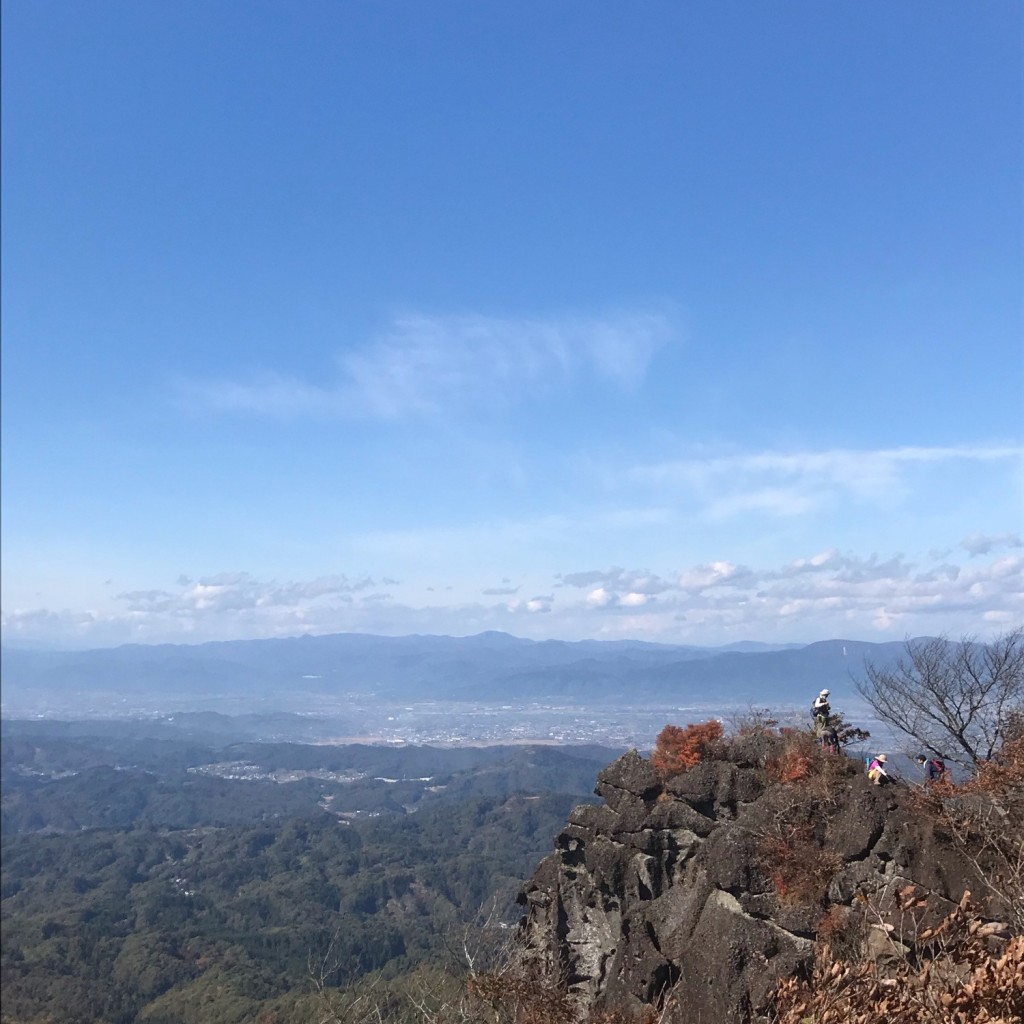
(824, 725)
(821, 709)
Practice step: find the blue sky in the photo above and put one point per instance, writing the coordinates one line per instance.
(680, 322)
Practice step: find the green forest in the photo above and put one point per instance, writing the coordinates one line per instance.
(155, 894)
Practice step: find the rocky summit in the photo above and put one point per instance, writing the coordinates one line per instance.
(697, 894)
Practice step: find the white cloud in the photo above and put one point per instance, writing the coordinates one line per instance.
(776, 501)
(266, 394)
(240, 592)
(701, 577)
(939, 573)
(825, 594)
(816, 563)
(817, 595)
(983, 544)
(618, 581)
(865, 570)
(423, 366)
(786, 484)
(1010, 567)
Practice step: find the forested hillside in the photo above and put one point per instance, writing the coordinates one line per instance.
(163, 894)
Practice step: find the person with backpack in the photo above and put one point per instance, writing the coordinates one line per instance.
(934, 767)
(820, 711)
(876, 770)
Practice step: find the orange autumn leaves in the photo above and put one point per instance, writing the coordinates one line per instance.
(678, 748)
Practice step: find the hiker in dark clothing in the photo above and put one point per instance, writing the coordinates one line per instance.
(830, 740)
(934, 768)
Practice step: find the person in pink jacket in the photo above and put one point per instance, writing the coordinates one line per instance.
(876, 770)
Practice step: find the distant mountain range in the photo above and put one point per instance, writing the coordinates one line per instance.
(487, 667)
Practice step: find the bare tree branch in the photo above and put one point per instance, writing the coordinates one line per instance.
(957, 698)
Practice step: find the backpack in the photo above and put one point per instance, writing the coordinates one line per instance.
(938, 765)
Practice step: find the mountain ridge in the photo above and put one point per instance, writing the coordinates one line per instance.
(483, 667)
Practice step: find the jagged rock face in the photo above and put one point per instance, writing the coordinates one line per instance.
(663, 895)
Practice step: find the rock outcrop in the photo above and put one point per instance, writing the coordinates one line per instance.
(698, 894)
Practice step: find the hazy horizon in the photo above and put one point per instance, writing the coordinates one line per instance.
(70, 647)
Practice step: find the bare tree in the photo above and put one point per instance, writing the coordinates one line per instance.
(365, 1004)
(956, 697)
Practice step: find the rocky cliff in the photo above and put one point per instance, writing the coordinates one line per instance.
(697, 894)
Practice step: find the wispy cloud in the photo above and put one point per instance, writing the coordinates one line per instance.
(423, 366)
(265, 394)
(786, 484)
(240, 592)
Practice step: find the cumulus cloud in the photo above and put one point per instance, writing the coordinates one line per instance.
(864, 570)
(939, 573)
(823, 561)
(983, 544)
(702, 577)
(819, 594)
(423, 366)
(535, 605)
(239, 591)
(239, 595)
(617, 581)
(39, 623)
(610, 596)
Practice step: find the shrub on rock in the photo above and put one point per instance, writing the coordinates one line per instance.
(677, 749)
